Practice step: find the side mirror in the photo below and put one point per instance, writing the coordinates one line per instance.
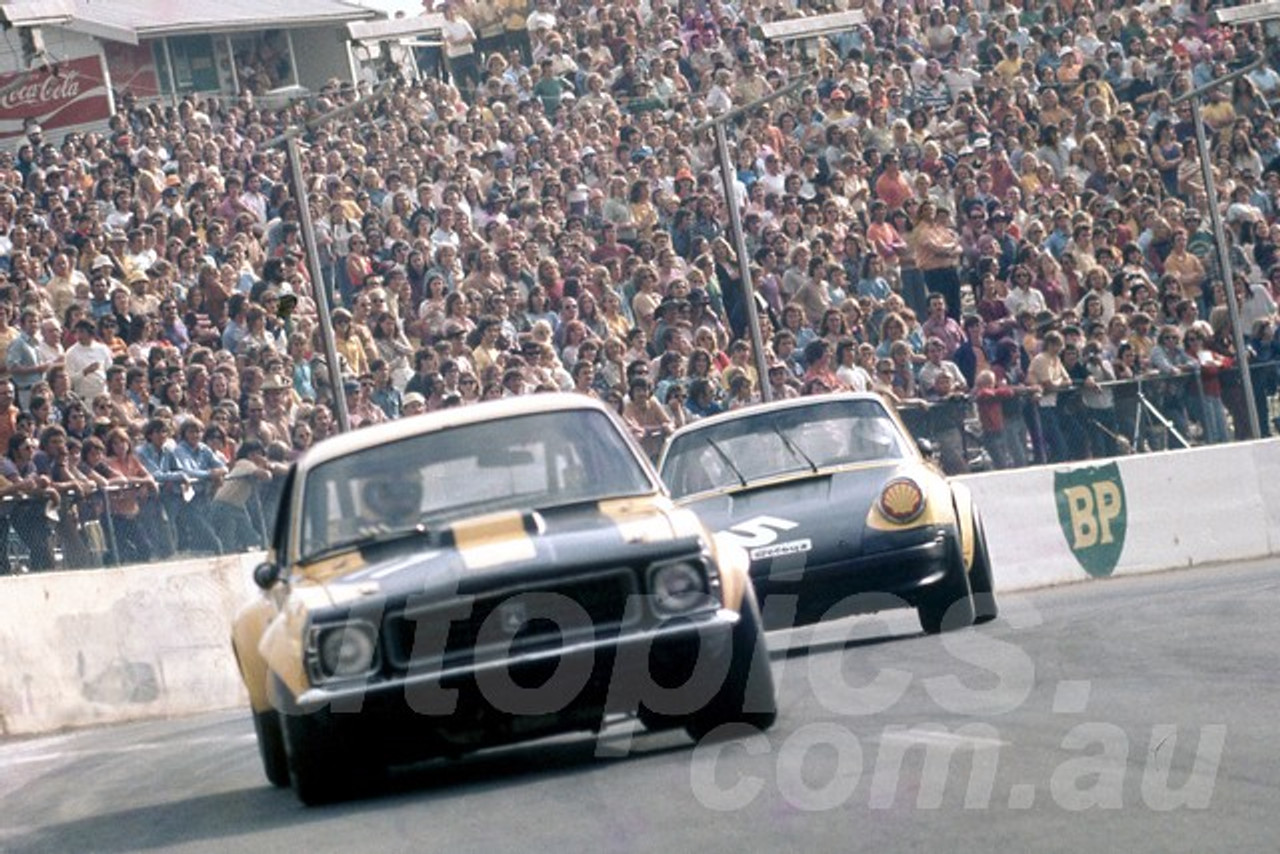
(266, 574)
(927, 447)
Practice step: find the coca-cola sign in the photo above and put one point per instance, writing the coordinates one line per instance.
(72, 92)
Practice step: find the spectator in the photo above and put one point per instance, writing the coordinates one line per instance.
(452, 206)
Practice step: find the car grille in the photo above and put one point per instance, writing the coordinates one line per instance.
(520, 619)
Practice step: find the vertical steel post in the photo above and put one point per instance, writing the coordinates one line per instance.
(318, 291)
(744, 264)
(1224, 263)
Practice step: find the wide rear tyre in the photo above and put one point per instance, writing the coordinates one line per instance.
(275, 762)
(948, 606)
(746, 697)
(981, 581)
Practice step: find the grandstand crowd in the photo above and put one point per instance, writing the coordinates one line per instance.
(992, 213)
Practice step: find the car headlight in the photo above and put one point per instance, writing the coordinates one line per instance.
(677, 587)
(902, 500)
(347, 650)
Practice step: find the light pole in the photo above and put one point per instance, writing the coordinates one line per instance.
(289, 139)
(318, 290)
(735, 223)
(1267, 14)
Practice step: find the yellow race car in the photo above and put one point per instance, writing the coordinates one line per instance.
(485, 575)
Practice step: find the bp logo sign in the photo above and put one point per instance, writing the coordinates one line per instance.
(1093, 515)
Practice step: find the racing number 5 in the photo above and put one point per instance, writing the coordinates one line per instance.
(758, 531)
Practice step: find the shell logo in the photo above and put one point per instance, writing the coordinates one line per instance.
(902, 500)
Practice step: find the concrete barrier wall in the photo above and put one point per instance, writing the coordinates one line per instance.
(106, 646)
(1049, 525)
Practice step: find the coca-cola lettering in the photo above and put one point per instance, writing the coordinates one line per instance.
(70, 94)
(45, 93)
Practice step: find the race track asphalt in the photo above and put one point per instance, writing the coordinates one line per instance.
(1132, 714)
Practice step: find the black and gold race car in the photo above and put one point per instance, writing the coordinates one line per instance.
(485, 575)
(838, 510)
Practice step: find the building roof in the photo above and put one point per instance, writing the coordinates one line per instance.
(395, 28)
(35, 13)
(131, 21)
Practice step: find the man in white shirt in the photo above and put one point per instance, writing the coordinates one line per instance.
(87, 361)
(542, 18)
(460, 49)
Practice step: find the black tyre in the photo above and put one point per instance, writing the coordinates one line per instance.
(747, 695)
(325, 765)
(327, 761)
(981, 582)
(275, 762)
(948, 605)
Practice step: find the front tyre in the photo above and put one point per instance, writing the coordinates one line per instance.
(746, 696)
(981, 581)
(327, 761)
(948, 605)
(275, 762)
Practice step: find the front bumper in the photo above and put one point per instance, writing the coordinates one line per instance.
(455, 709)
(860, 584)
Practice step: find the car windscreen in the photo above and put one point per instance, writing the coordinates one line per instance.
(522, 463)
(767, 442)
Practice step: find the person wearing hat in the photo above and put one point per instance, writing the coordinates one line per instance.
(358, 407)
(703, 315)
(836, 100)
(1006, 244)
(348, 343)
(412, 404)
(170, 199)
(114, 251)
(277, 402)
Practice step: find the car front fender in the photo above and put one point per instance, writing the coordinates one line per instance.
(734, 565)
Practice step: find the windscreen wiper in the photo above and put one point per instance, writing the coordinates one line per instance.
(793, 447)
(715, 446)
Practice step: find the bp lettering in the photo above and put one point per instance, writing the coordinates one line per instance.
(1093, 510)
(1093, 513)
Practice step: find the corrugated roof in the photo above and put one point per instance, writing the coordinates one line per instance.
(133, 20)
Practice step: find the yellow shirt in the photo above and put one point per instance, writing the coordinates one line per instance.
(353, 351)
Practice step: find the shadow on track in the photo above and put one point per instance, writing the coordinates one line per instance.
(249, 812)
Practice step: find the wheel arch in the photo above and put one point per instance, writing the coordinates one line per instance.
(966, 521)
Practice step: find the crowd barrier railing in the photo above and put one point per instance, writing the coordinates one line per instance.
(1147, 413)
(115, 524)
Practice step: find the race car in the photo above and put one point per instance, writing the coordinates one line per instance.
(838, 509)
(485, 575)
